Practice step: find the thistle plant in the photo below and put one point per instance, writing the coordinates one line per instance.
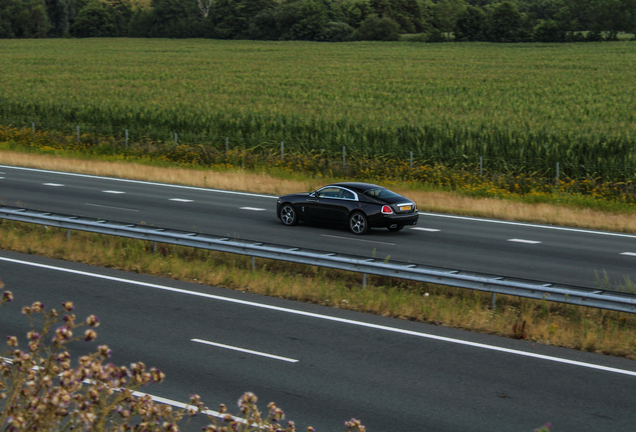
(42, 389)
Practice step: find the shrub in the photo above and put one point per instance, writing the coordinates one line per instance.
(40, 389)
(374, 28)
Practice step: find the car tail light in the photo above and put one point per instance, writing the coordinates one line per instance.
(386, 210)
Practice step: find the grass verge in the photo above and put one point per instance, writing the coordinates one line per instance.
(575, 327)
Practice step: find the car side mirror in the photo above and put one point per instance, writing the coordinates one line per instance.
(313, 194)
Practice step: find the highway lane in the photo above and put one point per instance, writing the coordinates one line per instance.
(521, 250)
(394, 375)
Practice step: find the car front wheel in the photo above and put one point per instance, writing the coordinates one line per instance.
(288, 215)
(358, 223)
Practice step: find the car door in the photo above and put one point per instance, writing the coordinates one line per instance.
(333, 204)
(320, 205)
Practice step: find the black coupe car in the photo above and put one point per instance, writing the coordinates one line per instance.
(360, 206)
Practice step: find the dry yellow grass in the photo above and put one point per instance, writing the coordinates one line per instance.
(444, 202)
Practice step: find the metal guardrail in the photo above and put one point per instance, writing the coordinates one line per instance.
(603, 299)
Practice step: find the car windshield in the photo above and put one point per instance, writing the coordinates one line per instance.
(381, 193)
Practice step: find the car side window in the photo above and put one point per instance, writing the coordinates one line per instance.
(329, 192)
(348, 194)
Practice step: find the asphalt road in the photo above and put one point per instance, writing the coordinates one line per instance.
(322, 365)
(538, 252)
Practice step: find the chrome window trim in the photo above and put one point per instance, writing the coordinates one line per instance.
(339, 198)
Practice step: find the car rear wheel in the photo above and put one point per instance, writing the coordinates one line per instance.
(288, 215)
(396, 228)
(358, 223)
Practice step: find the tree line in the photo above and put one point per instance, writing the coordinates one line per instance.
(323, 20)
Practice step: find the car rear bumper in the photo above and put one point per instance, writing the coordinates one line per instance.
(385, 221)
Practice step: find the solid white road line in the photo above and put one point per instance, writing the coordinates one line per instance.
(425, 229)
(1, 178)
(111, 207)
(328, 318)
(628, 253)
(180, 200)
(138, 181)
(113, 192)
(52, 184)
(233, 348)
(524, 241)
(251, 208)
(503, 222)
(356, 239)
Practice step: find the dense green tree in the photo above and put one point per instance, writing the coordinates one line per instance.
(94, 20)
(337, 31)
(8, 9)
(310, 22)
(323, 20)
(406, 13)
(504, 23)
(122, 13)
(471, 25)
(353, 12)
(446, 13)
(375, 28)
(58, 12)
(231, 18)
(548, 31)
(23, 19)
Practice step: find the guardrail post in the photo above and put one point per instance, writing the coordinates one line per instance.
(68, 234)
(175, 139)
(126, 138)
(282, 150)
(78, 136)
(364, 280)
(154, 247)
(253, 264)
(411, 160)
(481, 166)
(32, 127)
(227, 146)
(557, 173)
(493, 301)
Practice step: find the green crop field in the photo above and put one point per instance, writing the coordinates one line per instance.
(522, 107)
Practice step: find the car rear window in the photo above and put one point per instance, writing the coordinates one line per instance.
(381, 193)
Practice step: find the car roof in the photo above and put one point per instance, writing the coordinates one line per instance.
(361, 187)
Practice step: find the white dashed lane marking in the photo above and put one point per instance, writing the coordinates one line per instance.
(233, 348)
(113, 192)
(252, 208)
(628, 253)
(180, 200)
(52, 184)
(425, 229)
(357, 239)
(524, 241)
(111, 207)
